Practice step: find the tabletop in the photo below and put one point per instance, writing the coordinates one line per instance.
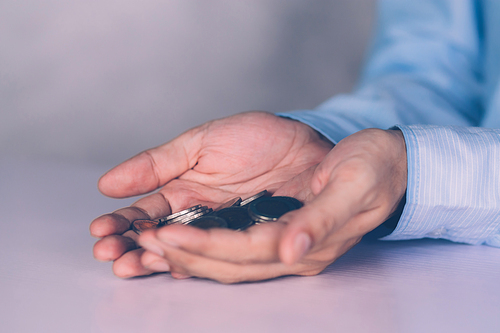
(51, 283)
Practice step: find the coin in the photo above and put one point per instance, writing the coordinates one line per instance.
(190, 218)
(182, 212)
(270, 209)
(140, 226)
(208, 222)
(237, 218)
(254, 197)
(235, 214)
(233, 202)
(181, 218)
(292, 201)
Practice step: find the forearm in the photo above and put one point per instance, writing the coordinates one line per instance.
(424, 68)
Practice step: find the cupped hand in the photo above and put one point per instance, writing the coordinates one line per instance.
(354, 189)
(235, 156)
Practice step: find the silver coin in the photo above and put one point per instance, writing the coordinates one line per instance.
(182, 212)
(193, 217)
(254, 197)
(181, 218)
(198, 209)
(231, 203)
(257, 219)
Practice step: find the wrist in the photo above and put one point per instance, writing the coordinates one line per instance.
(400, 177)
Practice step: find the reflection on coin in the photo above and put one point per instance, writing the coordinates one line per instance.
(182, 212)
(190, 218)
(270, 209)
(233, 202)
(208, 222)
(237, 218)
(254, 197)
(181, 218)
(140, 226)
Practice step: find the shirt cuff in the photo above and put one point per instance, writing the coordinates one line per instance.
(452, 188)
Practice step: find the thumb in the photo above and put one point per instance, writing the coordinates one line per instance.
(309, 226)
(152, 168)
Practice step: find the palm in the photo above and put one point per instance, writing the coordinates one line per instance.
(245, 154)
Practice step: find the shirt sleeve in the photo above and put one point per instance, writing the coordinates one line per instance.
(425, 73)
(453, 187)
(424, 68)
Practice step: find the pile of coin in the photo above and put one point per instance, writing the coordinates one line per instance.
(185, 216)
(236, 214)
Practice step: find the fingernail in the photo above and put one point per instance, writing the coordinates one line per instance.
(153, 248)
(159, 266)
(301, 244)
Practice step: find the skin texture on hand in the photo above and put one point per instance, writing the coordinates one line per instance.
(235, 156)
(348, 191)
(351, 192)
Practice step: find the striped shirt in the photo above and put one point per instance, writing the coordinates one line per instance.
(434, 72)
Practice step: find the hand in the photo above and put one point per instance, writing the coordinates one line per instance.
(352, 191)
(236, 156)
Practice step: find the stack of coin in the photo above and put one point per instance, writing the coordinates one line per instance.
(231, 203)
(255, 197)
(260, 208)
(234, 214)
(185, 216)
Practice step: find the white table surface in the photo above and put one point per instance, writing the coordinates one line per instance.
(51, 283)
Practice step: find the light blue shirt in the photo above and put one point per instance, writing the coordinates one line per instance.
(434, 71)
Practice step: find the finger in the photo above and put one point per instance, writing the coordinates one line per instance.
(355, 184)
(109, 224)
(258, 244)
(153, 168)
(183, 264)
(132, 235)
(112, 247)
(310, 225)
(118, 222)
(129, 265)
(154, 262)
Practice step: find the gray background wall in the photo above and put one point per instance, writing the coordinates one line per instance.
(98, 81)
